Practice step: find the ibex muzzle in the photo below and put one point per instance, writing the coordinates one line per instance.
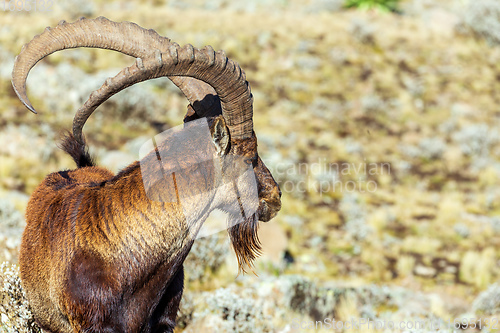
(98, 254)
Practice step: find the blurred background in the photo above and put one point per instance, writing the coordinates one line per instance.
(379, 119)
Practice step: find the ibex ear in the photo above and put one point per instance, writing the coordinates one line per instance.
(220, 135)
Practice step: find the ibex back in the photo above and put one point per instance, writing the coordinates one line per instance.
(97, 254)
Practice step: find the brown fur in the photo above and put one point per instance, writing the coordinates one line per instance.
(98, 255)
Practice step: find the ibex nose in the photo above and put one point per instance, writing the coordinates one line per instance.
(276, 194)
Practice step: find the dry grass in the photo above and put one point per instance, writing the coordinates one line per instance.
(332, 89)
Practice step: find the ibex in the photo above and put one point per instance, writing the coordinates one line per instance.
(98, 254)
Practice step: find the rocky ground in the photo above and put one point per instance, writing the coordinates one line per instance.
(381, 128)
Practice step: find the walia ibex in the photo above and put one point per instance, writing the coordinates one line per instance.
(98, 254)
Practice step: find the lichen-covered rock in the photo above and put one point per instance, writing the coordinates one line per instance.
(14, 308)
(488, 302)
(482, 17)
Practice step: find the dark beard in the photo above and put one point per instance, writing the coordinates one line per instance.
(246, 243)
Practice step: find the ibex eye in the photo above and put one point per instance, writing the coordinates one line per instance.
(248, 161)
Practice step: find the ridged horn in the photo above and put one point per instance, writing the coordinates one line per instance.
(211, 67)
(131, 39)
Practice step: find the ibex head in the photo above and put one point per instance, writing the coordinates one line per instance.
(215, 86)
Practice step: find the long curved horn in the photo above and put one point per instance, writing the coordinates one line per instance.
(130, 39)
(214, 68)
